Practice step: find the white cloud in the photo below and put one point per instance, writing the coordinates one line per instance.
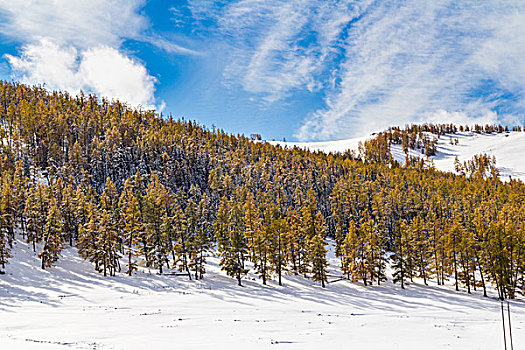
(378, 63)
(502, 53)
(421, 62)
(168, 46)
(102, 70)
(75, 44)
(113, 75)
(425, 62)
(269, 54)
(75, 22)
(46, 62)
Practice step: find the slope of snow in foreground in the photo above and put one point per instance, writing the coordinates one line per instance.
(71, 306)
(509, 149)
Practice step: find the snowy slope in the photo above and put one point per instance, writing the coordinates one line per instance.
(509, 149)
(326, 146)
(71, 306)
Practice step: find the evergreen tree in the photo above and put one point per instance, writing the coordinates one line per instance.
(86, 244)
(5, 249)
(278, 243)
(191, 230)
(252, 225)
(7, 212)
(156, 203)
(52, 242)
(312, 224)
(420, 242)
(182, 245)
(293, 240)
(230, 237)
(201, 244)
(350, 254)
(67, 210)
(317, 259)
(262, 246)
(133, 229)
(106, 244)
(453, 239)
(35, 213)
(400, 251)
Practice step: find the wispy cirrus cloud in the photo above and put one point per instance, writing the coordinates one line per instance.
(377, 63)
(278, 46)
(426, 62)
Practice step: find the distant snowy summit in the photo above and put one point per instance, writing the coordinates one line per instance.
(507, 147)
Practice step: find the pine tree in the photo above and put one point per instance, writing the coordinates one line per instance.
(67, 210)
(293, 240)
(7, 212)
(86, 244)
(453, 239)
(311, 219)
(5, 249)
(252, 224)
(420, 242)
(479, 246)
(373, 264)
(317, 259)
(19, 195)
(278, 243)
(350, 255)
(182, 238)
(131, 225)
(191, 230)
(108, 241)
(133, 229)
(201, 244)
(312, 224)
(230, 237)
(262, 246)
(156, 203)
(436, 241)
(400, 251)
(106, 244)
(80, 209)
(35, 213)
(51, 237)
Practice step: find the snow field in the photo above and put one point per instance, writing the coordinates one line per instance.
(509, 149)
(72, 306)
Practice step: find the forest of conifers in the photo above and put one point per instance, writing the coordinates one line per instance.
(128, 188)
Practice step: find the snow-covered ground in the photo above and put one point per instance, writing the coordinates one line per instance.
(71, 306)
(509, 149)
(326, 146)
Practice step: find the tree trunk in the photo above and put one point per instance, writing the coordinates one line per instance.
(455, 271)
(130, 254)
(279, 259)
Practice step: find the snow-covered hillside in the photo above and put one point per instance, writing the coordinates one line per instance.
(71, 306)
(509, 149)
(326, 146)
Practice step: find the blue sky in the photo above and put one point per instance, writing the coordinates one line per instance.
(301, 70)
